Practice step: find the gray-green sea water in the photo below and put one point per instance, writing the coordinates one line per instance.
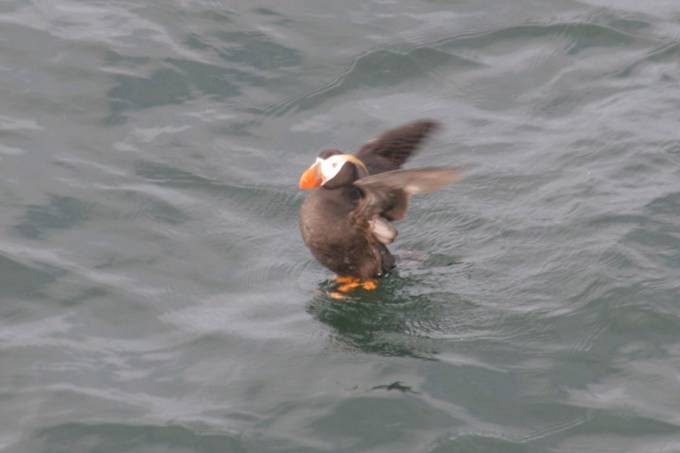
(155, 295)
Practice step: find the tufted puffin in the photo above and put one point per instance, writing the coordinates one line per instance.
(346, 218)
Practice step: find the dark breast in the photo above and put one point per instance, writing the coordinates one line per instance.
(334, 236)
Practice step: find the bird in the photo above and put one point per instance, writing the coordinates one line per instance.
(346, 218)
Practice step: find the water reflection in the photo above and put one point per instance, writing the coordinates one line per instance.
(391, 321)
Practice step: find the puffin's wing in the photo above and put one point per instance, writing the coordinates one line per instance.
(391, 149)
(386, 194)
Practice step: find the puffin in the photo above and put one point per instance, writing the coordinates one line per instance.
(346, 218)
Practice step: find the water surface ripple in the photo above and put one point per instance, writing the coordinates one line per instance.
(156, 295)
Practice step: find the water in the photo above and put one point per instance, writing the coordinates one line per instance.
(156, 295)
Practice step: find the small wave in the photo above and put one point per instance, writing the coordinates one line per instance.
(120, 436)
(376, 69)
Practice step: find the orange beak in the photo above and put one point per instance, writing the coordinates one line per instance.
(311, 178)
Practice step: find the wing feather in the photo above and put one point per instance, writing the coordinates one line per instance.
(391, 149)
(387, 194)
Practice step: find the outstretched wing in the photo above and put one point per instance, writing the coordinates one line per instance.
(386, 194)
(391, 149)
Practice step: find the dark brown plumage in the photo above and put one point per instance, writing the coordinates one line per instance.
(346, 221)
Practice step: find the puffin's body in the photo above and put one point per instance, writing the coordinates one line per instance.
(340, 241)
(345, 220)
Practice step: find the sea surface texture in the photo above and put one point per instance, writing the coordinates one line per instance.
(156, 296)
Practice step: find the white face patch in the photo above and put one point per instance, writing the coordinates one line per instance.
(331, 166)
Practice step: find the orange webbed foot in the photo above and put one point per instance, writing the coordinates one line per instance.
(347, 284)
(370, 285)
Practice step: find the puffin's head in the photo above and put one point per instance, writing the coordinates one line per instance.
(333, 169)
